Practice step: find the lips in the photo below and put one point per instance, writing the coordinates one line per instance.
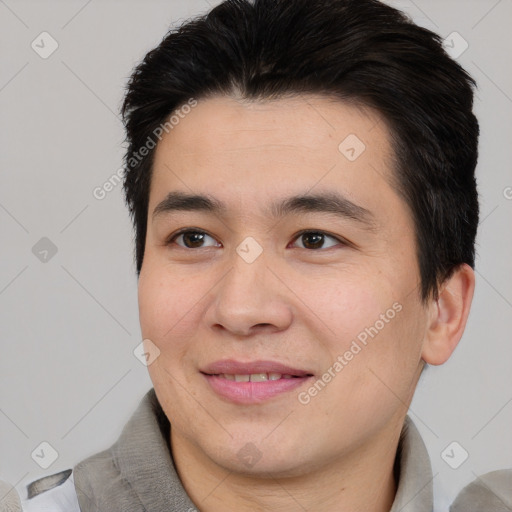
(254, 382)
(231, 367)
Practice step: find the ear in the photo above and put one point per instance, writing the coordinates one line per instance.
(448, 316)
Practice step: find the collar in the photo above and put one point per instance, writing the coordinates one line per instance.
(415, 492)
(143, 456)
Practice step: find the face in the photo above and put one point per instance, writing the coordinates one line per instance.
(284, 304)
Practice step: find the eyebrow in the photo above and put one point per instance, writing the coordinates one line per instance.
(328, 202)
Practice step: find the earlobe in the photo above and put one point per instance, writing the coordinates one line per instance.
(448, 316)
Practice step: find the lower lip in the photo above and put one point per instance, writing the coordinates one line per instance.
(252, 392)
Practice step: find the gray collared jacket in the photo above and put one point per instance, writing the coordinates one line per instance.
(137, 474)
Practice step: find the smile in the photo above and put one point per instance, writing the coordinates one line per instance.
(253, 382)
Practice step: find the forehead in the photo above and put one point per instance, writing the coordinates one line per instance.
(256, 150)
(300, 123)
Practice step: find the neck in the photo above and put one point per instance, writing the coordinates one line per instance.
(360, 481)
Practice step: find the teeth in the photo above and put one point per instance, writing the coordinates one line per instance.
(259, 377)
(255, 377)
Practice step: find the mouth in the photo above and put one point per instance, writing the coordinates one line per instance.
(255, 382)
(255, 377)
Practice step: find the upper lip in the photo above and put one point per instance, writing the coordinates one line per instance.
(232, 367)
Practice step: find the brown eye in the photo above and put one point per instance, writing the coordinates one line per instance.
(317, 240)
(193, 239)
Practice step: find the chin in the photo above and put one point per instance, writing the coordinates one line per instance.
(266, 468)
(260, 459)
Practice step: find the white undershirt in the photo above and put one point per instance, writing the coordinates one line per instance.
(60, 499)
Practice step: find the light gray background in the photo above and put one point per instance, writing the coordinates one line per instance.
(69, 326)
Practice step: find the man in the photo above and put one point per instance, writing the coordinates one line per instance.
(300, 174)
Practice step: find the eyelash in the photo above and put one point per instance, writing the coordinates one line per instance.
(341, 241)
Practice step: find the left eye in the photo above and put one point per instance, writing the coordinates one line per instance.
(317, 240)
(193, 239)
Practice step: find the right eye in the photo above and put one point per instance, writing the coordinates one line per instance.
(192, 239)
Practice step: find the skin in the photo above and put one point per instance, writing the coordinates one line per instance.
(296, 304)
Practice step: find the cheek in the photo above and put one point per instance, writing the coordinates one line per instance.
(346, 304)
(168, 311)
(168, 306)
(377, 367)
(371, 325)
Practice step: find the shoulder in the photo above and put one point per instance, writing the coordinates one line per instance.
(58, 493)
(53, 493)
(490, 492)
(9, 499)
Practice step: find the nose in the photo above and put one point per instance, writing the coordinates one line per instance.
(250, 299)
